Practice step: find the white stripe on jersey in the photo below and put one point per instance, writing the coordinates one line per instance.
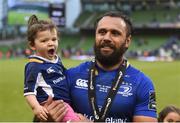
(29, 93)
(40, 82)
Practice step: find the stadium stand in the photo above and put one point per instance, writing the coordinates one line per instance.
(155, 23)
(154, 14)
(157, 20)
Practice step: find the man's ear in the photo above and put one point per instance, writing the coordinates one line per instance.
(128, 41)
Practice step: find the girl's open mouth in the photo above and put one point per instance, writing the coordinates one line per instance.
(51, 51)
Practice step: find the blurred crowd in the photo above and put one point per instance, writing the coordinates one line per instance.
(168, 51)
(14, 53)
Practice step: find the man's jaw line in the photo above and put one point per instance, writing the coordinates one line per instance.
(109, 68)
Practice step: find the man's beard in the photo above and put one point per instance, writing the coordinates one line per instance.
(111, 59)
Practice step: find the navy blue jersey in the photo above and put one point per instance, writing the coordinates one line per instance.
(135, 97)
(44, 77)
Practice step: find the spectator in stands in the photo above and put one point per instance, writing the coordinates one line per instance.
(9, 53)
(1, 54)
(178, 17)
(65, 53)
(109, 89)
(27, 52)
(169, 114)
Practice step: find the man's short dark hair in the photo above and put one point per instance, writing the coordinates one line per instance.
(120, 15)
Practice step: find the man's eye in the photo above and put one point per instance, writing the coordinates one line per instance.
(102, 32)
(170, 120)
(115, 33)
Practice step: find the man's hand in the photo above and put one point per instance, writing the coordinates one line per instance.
(83, 118)
(41, 113)
(56, 109)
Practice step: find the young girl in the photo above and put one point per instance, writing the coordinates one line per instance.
(169, 113)
(44, 74)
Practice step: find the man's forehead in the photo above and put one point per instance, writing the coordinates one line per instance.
(107, 20)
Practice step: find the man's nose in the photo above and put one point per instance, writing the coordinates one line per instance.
(107, 36)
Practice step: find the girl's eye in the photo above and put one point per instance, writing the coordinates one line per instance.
(54, 39)
(43, 41)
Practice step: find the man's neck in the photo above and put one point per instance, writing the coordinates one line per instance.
(109, 68)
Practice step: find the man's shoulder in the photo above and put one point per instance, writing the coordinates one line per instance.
(133, 72)
(137, 74)
(132, 69)
(81, 68)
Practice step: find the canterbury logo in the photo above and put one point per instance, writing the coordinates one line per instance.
(81, 83)
(50, 70)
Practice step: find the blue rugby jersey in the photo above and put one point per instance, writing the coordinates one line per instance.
(135, 96)
(44, 77)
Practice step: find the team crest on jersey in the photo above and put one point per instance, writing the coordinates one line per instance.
(125, 90)
(152, 101)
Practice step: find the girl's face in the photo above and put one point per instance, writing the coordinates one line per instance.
(172, 117)
(46, 44)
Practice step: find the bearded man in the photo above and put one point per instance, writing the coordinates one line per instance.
(109, 89)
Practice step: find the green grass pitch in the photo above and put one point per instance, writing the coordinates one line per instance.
(165, 75)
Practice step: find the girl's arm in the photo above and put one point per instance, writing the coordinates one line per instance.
(38, 110)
